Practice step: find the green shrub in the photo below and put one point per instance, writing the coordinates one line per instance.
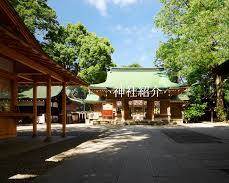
(195, 111)
(220, 113)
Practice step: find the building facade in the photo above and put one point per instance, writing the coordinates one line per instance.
(138, 94)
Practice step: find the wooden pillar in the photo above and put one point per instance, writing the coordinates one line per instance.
(34, 109)
(143, 107)
(114, 114)
(48, 110)
(64, 113)
(126, 109)
(165, 113)
(14, 95)
(149, 110)
(169, 112)
(122, 114)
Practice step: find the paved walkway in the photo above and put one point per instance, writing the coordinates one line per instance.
(206, 124)
(24, 156)
(147, 155)
(24, 141)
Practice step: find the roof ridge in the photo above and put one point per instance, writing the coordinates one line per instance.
(137, 69)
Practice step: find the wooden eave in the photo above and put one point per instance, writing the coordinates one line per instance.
(19, 45)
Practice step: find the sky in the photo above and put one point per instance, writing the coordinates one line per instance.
(128, 24)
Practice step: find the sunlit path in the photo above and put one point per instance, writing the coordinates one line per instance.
(146, 154)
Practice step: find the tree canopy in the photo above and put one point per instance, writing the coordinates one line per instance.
(73, 46)
(198, 40)
(133, 65)
(37, 15)
(80, 51)
(199, 36)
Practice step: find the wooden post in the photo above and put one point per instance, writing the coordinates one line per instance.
(212, 115)
(114, 109)
(14, 92)
(149, 110)
(126, 109)
(48, 110)
(165, 112)
(34, 109)
(64, 113)
(169, 112)
(143, 107)
(153, 105)
(122, 114)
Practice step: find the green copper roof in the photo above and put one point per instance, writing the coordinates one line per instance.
(92, 98)
(137, 78)
(41, 92)
(181, 97)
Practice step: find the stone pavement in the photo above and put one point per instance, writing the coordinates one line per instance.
(24, 141)
(24, 156)
(147, 155)
(205, 124)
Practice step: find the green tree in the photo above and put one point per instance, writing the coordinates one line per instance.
(133, 65)
(95, 58)
(80, 51)
(72, 46)
(36, 14)
(198, 39)
(63, 45)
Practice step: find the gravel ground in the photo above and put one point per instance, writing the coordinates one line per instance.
(33, 161)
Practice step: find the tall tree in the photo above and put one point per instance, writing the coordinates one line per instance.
(80, 51)
(95, 58)
(199, 39)
(63, 45)
(36, 14)
(72, 46)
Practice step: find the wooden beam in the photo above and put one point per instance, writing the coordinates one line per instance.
(56, 71)
(34, 109)
(27, 78)
(11, 53)
(6, 34)
(48, 110)
(64, 113)
(30, 74)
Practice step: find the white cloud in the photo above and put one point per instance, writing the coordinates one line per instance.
(123, 3)
(127, 30)
(101, 5)
(136, 32)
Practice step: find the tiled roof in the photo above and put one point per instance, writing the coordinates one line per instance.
(136, 77)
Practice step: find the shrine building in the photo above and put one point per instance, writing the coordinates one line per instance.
(23, 62)
(138, 94)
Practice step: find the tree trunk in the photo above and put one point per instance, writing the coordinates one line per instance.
(219, 97)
